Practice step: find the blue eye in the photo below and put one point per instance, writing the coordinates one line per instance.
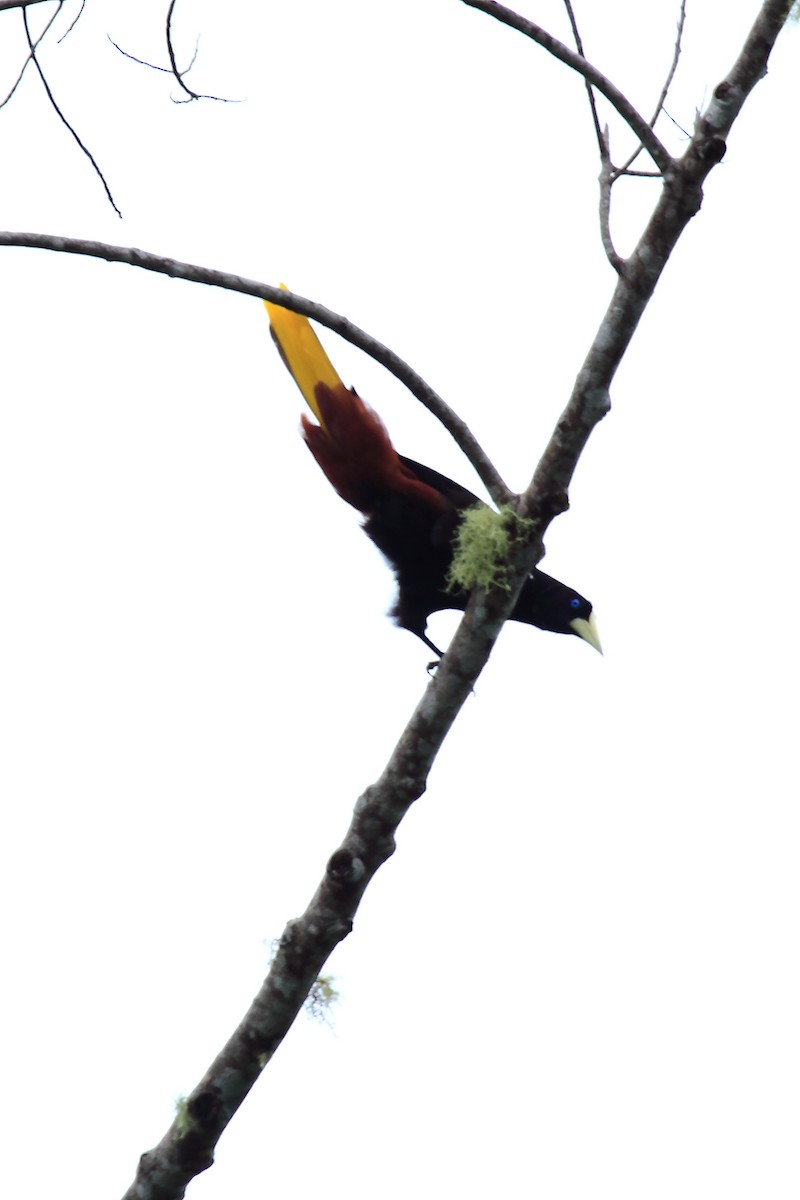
(574, 602)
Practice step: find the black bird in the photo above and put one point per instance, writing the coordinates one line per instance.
(412, 512)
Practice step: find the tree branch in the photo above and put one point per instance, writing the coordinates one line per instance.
(676, 53)
(188, 1146)
(4, 4)
(31, 53)
(640, 127)
(680, 199)
(171, 52)
(579, 47)
(62, 118)
(73, 23)
(458, 430)
(606, 181)
(181, 75)
(154, 66)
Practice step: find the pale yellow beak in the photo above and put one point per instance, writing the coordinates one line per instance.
(588, 631)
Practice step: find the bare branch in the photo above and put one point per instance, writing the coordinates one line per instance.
(74, 22)
(142, 62)
(579, 47)
(680, 199)
(677, 125)
(192, 95)
(29, 59)
(578, 63)
(673, 65)
(499, 491)
(606, 180)
(61, 116)
(19, 3)
(624, 170)
(609, 173)
(172, 69)
(188, 1146)
(180, 75)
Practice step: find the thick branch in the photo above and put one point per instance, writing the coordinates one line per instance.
(640, 127)
(188, 1146)
(499, 491)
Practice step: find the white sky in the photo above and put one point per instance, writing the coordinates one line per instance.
(579, 974)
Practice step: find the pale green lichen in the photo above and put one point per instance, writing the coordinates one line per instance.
(483, 543)
(321, 999)
(182, 1119)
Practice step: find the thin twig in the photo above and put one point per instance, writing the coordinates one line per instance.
(604, 145)
(640, 127)
(468, 444)
(179, 75)
(624, 170)
(29, 59)
(61, 116)
(674, 64)
(192, 95)
(590, 93)
(677, 125)
(680, 200)
(142, 62)
(73, 23)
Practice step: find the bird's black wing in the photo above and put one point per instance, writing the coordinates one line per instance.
(459, 496)
(417, 539)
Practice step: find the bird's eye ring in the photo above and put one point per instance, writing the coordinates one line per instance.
(574, 602)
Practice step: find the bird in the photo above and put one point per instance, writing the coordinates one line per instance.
(410, 511)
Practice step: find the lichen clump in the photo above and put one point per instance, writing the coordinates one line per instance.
(482, 545)
(183, 1121)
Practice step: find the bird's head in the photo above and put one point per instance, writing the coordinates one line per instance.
(551, 605)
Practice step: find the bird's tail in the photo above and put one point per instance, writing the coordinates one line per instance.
(302, 352)
(350, 443)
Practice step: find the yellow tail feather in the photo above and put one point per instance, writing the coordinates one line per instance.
(302, 352)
